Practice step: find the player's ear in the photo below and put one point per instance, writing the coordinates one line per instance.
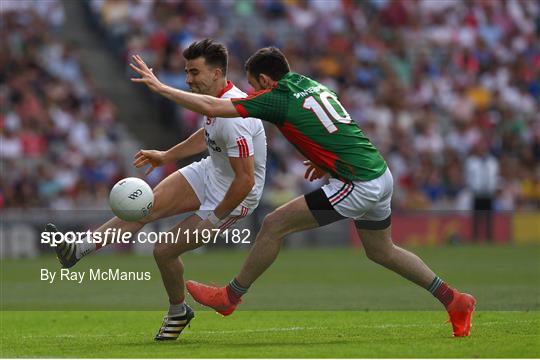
(218, 73)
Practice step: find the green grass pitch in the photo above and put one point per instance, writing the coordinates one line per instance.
(312, 303)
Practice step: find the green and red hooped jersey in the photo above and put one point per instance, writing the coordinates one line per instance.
(311, 117)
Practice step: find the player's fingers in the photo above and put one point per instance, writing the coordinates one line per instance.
(139, 154)
(306, 162)
(137, 61)
(139, 163)
(139, 160)
(306, 175)
(135, 68)
(145, 73)
(314, 176)
(137, 58)
(141, 63)
(149, 154)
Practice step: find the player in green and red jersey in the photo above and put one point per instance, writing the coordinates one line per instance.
(311, 117)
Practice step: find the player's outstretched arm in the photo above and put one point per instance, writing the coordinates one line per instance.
(202, 104)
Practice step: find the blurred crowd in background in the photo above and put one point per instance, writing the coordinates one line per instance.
(448, 90)
(58, 134)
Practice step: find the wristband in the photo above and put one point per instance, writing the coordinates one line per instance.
(213, 218)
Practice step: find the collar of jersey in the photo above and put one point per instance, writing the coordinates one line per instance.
(226, 88)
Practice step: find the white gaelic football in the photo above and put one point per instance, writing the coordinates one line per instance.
(131, 199)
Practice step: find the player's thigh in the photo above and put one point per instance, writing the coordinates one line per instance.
(174, 195)
(363, 201)
(182, 238)
(374, 226)
(291, 217)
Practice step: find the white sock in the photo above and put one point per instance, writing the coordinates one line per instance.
(177, 309)
(85, 248)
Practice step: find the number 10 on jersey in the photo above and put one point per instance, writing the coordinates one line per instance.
(323, 110)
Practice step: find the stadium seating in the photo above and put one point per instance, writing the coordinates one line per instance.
(58, 133)
(426, 80)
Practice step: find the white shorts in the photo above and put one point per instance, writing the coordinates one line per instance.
(197, 176)
(362, 200)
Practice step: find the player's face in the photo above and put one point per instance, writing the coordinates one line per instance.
(253, 82)
(200, 77)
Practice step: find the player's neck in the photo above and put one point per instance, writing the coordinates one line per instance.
(219, 88)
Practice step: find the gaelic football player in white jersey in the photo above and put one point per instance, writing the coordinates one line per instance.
(221, 189)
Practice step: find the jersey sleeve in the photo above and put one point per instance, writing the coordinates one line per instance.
(238, 137)
(268, 105)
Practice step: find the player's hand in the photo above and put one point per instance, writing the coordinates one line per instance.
(313, 172)
(153, 157)
(147, 75)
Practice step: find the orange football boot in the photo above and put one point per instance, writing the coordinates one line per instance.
(460, 310)
(212, 296)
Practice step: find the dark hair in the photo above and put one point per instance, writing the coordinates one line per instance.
(269, 61)
(214, 53)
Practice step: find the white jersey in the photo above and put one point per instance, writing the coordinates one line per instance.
(235, 137)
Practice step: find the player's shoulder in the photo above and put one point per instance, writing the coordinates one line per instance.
(235, 93)
(291, 80)
(234, 127)
(298, 85)
(230, 92)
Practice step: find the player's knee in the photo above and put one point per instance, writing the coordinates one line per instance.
(273, 223)
(380, 255)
